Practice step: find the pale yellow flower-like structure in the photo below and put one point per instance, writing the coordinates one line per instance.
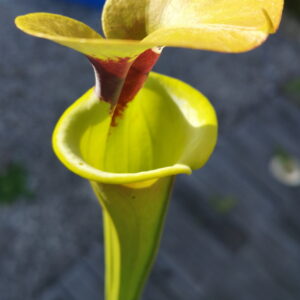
(132, 133)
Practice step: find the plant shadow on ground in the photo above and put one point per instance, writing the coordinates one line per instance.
(13, 184)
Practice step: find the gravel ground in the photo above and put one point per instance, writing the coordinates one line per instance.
(40, 238)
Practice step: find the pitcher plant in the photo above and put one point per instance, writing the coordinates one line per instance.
(135, 130)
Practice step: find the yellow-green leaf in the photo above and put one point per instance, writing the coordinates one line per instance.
(194, 13)
(219, 25)
(219, 38)
(78, 36)
(125, 19)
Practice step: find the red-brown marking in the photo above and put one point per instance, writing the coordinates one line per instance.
(135, 79)
(111, 75)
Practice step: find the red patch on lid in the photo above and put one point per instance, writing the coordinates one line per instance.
(136, 77)
(111, 75)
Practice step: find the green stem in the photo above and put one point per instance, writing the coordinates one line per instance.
(133, 222)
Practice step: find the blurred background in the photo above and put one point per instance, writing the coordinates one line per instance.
(233, 229)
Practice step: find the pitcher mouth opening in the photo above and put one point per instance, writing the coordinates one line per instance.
(168, 129)
(76, 163)
(69, 144)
